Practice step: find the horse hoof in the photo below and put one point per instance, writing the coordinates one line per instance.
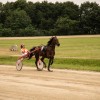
(50, 70)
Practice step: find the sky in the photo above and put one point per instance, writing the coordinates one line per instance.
(78, 2)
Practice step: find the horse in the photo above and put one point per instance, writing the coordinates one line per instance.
(47, 51)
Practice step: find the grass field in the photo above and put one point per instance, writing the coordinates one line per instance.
(80, 53)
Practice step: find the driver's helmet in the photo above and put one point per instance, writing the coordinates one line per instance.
(22, 46)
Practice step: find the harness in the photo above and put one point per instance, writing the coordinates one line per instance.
(43, 48)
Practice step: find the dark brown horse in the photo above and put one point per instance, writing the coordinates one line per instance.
(47, 51)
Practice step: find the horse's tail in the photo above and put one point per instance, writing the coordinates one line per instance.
(31, 53)
(33, 48)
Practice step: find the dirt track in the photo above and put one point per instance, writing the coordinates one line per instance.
(30, 84)
(39, 37)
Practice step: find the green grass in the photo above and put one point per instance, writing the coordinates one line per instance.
(65, 63)
(78, 64)
(70, 47)
(74, 53)
(79, 48)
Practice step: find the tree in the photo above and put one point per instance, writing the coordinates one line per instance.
(18, 19)
(70, 10)
(20, 4)
(6, 9)
(65, 26)
(90, 18)
(0, 12)
(22, 18)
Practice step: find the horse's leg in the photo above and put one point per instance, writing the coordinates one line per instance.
(52, 61)
(37, 58)
(49, 65)
(42, 59)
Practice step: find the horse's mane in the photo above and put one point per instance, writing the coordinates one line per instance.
(50, 41)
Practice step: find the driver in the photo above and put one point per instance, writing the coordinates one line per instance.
(24, 52)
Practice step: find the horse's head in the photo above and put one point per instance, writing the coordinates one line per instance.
(54, 41)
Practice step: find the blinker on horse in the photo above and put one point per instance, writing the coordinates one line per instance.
(47, 52)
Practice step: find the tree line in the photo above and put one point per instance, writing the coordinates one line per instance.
(22, 18)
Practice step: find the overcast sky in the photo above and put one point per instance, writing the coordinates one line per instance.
(75, 1)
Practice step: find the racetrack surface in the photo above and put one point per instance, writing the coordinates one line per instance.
(30, 84)
(42, 37)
